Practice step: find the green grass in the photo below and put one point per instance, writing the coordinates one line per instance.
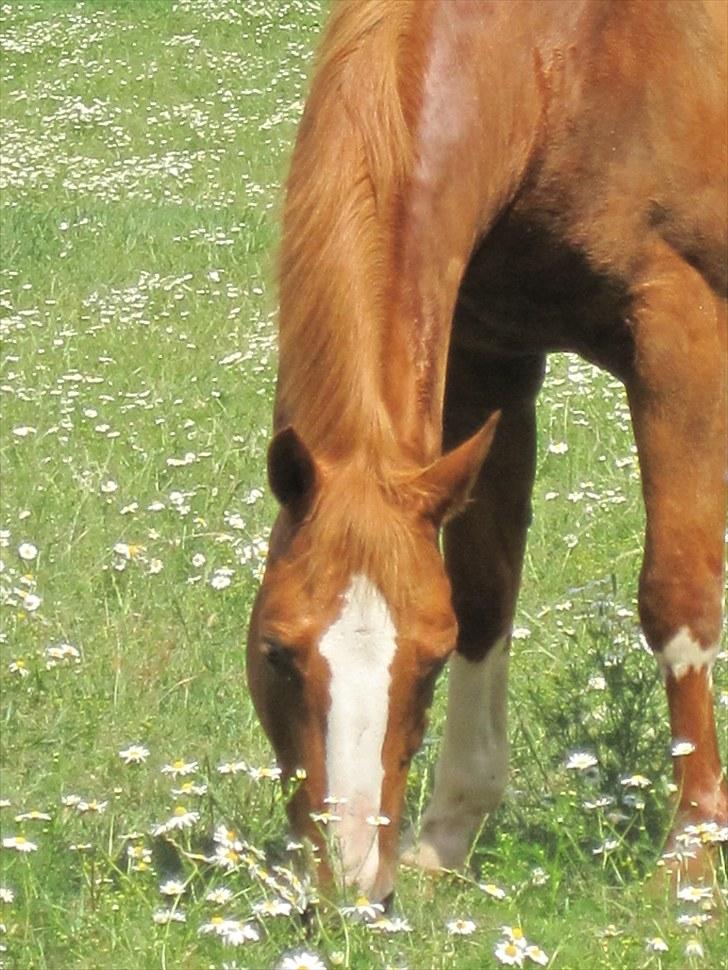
(144, 145)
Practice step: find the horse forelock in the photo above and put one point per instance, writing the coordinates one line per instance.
(350, 172)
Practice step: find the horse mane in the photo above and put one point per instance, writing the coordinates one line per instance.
(338, 256)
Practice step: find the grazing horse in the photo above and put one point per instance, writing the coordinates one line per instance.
(475, 184)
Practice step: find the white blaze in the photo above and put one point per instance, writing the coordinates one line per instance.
(683, 653)
(359, 647)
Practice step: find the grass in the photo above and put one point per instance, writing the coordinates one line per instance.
(143, 150)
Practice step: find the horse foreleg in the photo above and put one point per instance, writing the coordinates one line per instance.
(677, 395)
(484, 552)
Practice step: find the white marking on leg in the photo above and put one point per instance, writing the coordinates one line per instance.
(359, 647)
(683, 653)
(472, 768)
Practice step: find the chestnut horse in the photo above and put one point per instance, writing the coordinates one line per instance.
(475, 184)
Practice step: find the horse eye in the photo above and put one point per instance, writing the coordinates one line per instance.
(279, 658)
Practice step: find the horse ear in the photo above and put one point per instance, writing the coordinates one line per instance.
(446, 484)
(291, 471)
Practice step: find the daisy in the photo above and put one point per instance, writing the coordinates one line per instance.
(19, 843)
(19, 667)
(581, 761)
(190, 788)
(272, 907)
(220, 896)
(34, 816)
(695, 894)
(135, 754)
(300, 960)
(180, 768)
(536, 954)
(182, 819)
(490, 889)
(694, 949)
(394, 925)
(172, 887)
(362, 909)
(6, 895)
(515, 935)
(232, 767)
(58, 652)
(509, 954)
(693, 919)
(378, 820)
(656, 945)
(460, 927)
(681, 748)
(162, 917)
(636, 781)
(27, 551)
(226, 857)
(94, 806)
(257, 774)
(237, 933)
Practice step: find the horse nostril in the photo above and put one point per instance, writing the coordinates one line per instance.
(388, 903)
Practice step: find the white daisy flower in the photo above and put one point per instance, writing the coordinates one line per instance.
(135, 754)
(460, 927)
(19, 843)
(27, 551)
(581, 761)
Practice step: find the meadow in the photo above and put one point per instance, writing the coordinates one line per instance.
(142, 150)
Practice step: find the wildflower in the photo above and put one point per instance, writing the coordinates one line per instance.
(180, 768)
(539, 876)
(226, 857)
(536, 954)
(460, 927)
(636, 781)
(681, 748)
(135, 754)
(18, 667)
(695, 894)
(515, 935)
(238, 933)
(581, 761)
(272, 907)
(378, 820)
(490, 889)
(394, 925)
(604, 802)
(324, 818)
(257, 774)
(190, 788)
(140, 857)
(609, 845)
(164, 916)
(31, 602)
(558, 448)
(657, 945)
(70, 801)
(696, 920)
(19, 843)
(172, 887)
(6, 895)
(300, 959)
(694, 948)
(58, 652)
(228, 838)
(95, 807)
(181, 819)
(198, 560)
(220, 580)
(220, 896)
(232, 767)
(508, 953)
(27, 551)
(108, 487)
(362, 909)
(127, 550)
(33, 816)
